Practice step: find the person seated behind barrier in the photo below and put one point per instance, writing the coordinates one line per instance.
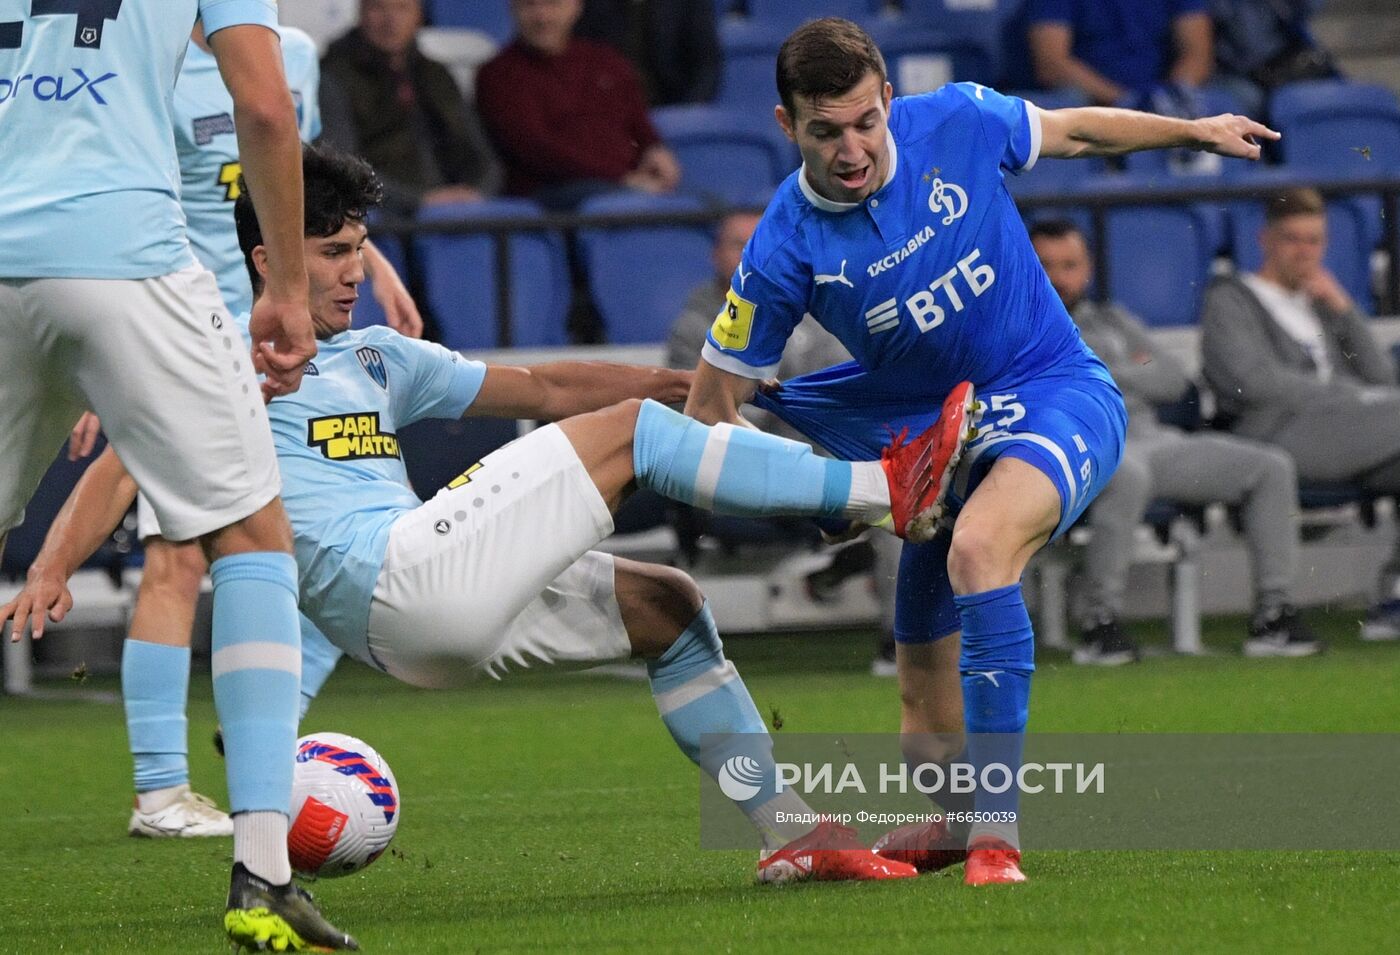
(1292, 362)
(383, 100)
(1164, 462)
(569, 116)
(811, 348)
(1118, 51)
(672, 43)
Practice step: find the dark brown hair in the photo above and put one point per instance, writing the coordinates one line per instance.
(1294, 202)
(826, 57)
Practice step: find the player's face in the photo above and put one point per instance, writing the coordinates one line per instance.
(734, 233)
(335, 269)
(546, 24)
(1066, 260)
(1293, 248)
(842, 139)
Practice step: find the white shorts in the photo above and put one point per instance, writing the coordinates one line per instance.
(163, 365)
(498, 572)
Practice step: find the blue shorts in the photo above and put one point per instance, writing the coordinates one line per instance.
(1069, 425)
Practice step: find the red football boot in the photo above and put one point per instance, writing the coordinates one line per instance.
(921, 470)
(829, 853)
(927, 846)
(992, 862)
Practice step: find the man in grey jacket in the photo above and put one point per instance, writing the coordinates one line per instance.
(1164, 462)
(1292, 362)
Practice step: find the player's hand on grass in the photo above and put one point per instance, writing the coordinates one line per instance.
(1231, 135)
(283, 342)
(45, 597)
(84, 436)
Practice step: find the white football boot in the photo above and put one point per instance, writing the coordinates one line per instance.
(187, 816)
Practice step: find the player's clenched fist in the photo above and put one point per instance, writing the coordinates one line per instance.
(283, 342)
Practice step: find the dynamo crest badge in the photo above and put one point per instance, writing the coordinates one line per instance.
(373, 364)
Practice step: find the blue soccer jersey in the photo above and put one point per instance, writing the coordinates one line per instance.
(343, 478)
(208, 153)
(91, 183)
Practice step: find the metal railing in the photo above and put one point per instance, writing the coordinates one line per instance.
(1097, 201)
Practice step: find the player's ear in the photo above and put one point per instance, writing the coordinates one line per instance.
(780, 113)
(888, 93)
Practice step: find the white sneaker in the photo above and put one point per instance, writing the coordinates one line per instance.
(189, 815)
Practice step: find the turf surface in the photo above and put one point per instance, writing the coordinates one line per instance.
(553, 813)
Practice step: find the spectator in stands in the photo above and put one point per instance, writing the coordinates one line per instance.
(382, 99)
(1119, 52)
(569, 116)
(1164, 462)
(1292, 362)
(1262, 44)
(672, 43)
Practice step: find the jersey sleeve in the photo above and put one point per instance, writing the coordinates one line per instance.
(440, 383)
(218, 14)
(758, 315)
(1010, 124)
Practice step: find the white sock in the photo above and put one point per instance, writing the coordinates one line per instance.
(154, 800)
(869, 500)
(260, 843)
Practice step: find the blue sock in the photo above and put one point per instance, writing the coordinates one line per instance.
(746, 472)
(712, 718)
(256, 664)
(318, 659)
(998, 657)
(155, 686)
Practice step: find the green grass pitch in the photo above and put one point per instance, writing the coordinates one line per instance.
(553, 813)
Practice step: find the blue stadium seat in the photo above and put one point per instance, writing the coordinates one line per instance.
(640, 276)
(491, 17)
(459, 276)
(1336, 128)
(1351, 235)
(977, 20)
(920, 58)
(1160, 258)
(787, 14)
(367, 310)
(726, 153)
(747, 69)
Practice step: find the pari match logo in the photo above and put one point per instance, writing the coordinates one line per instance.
(351, 437)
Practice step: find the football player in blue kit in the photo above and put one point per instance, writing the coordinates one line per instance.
(899, 236)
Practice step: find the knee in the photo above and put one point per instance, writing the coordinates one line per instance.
(174, 571)
(676, 595)
(978, 560)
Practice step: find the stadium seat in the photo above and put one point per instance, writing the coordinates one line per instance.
(920, 59)
(726, 153)
(747, 67)
(461, 51)
(787, 14)
(459, 277)
(1336, 128)
(1160, 257)
(1351, 235)
(641, 275)
(491, 17)
(367, 309)
(979, 21)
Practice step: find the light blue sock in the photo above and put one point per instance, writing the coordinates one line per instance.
(712, 718)
(998, 658)
(256, 664)
(318, 659)
(746, 472)
(155, 687)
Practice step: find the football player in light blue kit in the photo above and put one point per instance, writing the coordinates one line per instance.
(899, 236)
(156, 654)
(104, 306)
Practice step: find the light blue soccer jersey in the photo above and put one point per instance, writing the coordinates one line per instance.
(208, 153)
(343, 479)
(932, 278)
(91, 185)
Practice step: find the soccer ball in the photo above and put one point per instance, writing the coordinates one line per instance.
(345, 806)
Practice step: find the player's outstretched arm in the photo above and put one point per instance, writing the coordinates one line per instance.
(562, 389)
(269, 146)
(1101, 131)
(98, 502)
(400, 311)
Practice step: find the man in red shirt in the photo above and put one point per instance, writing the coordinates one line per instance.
(568, 116)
